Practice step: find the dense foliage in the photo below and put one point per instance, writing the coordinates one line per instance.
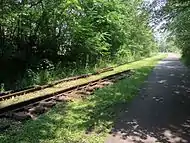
(176, 15)
(47, 35)
(181, 27)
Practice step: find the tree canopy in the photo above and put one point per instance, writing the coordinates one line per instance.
(176, 14)
(40, 34)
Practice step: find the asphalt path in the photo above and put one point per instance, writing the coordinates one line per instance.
(161, 111)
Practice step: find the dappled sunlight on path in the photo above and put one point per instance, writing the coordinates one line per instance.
(161, 112)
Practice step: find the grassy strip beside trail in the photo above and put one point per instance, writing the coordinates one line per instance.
(65, 85)
(84, 120)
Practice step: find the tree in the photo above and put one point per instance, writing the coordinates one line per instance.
(176, 13)
(39, 34)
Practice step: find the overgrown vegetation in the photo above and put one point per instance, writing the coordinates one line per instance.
(43, 40)
(84, 120)
(175, 16)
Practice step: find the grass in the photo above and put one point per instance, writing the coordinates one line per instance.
(84, 120)
(65, 85)
(31, 78)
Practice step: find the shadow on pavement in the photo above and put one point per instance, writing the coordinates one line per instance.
(161, 112)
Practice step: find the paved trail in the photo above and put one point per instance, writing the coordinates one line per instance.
(161, 112)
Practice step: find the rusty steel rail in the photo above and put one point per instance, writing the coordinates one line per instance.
(46, 96)
(10, 94)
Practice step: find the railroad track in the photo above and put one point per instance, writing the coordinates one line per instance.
(33, 107)
(12, 94)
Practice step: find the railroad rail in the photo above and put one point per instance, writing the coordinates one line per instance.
(32, 107)
(11, 94)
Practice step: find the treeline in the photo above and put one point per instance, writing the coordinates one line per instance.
(176, 14)
(59, 36)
